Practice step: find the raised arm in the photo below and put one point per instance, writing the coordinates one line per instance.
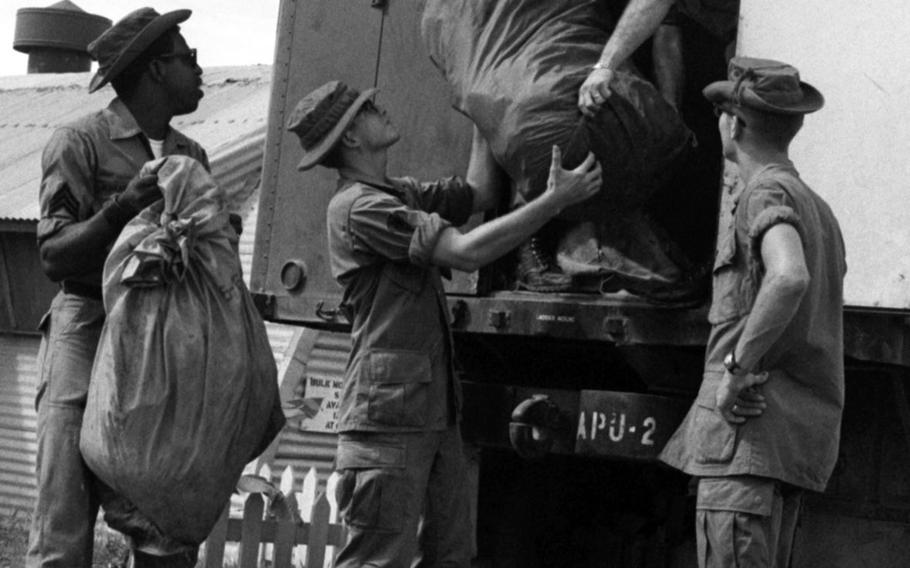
(639, 21)
(484, 244)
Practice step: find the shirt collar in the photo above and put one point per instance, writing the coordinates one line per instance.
(123, 124)
(121, 121)
(391, 187)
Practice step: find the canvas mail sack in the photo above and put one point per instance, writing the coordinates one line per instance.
(515, 68)
(183, 391)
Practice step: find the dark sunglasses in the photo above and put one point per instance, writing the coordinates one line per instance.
(188, 56)
(368, 107)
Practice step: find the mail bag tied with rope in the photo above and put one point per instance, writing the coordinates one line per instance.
(183, 391)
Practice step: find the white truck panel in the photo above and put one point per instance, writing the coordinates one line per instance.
(855, 152)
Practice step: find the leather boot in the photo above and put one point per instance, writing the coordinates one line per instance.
(537, 270)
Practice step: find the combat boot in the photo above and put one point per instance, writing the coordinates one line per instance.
(537, 270)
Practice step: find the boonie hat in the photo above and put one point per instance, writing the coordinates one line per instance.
(765, 85)
(123, 42)
(321, 117)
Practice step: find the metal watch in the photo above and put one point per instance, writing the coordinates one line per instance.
(732, 366)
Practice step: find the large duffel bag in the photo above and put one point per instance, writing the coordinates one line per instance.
(183, 391)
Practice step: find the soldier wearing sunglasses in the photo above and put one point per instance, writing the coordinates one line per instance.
(90, 189)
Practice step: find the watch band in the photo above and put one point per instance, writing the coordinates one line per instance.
(732, 365)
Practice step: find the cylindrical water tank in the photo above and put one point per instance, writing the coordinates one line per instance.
(56, 37)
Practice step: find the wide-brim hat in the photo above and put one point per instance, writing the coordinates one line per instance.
(765, 85)
(322, 116)
(126, 40)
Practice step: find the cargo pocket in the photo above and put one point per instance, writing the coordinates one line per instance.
(716, 436)
(398, 383)
(372, 490)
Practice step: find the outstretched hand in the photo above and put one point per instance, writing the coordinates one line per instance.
(594, 91)
(576, 185)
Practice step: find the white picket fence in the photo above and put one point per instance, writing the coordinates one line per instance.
(269, 527)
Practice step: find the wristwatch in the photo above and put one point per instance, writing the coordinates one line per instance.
(731, 364)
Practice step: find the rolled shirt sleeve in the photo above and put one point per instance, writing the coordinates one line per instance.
(384, 226)
(407, 228)
(768, 206)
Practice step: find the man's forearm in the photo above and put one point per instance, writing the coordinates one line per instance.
(639, 21)
(78, 248)
(491, 240)
(775, 305)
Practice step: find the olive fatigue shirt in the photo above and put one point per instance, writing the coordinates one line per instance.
(796, 439)
(89, 161)
(400, 375)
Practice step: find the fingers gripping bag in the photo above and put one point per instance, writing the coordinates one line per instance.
(515, 67)
(183, 391)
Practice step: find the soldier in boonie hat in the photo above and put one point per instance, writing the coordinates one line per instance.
(766, 86)
(321, 117)
(774, 376)
(127, 40)
(390, 240)
(90, 189)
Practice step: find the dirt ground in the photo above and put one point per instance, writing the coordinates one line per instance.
(111, 550)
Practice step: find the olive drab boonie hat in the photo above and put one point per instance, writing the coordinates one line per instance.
(123, 42)
(765, 85)
(321, 117)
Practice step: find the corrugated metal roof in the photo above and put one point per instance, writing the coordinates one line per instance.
(230, 118)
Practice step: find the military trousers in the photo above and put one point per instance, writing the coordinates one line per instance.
(745, 521)
(63, 520)
(405, 498)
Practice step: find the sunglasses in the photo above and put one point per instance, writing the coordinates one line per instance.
(368, 107)
(188, 56)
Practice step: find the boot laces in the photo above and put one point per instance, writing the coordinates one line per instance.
(539, 255)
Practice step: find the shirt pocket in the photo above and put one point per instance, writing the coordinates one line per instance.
(715, 441)
(727, 298)
(398, 383)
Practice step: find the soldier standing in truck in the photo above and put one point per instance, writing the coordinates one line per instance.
(765, 425)
(390, 242)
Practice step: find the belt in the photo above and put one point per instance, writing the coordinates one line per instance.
(82, 289)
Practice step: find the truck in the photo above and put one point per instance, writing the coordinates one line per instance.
(569, 397)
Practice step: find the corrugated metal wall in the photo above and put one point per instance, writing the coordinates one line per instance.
(18, 446)
(325, 354)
